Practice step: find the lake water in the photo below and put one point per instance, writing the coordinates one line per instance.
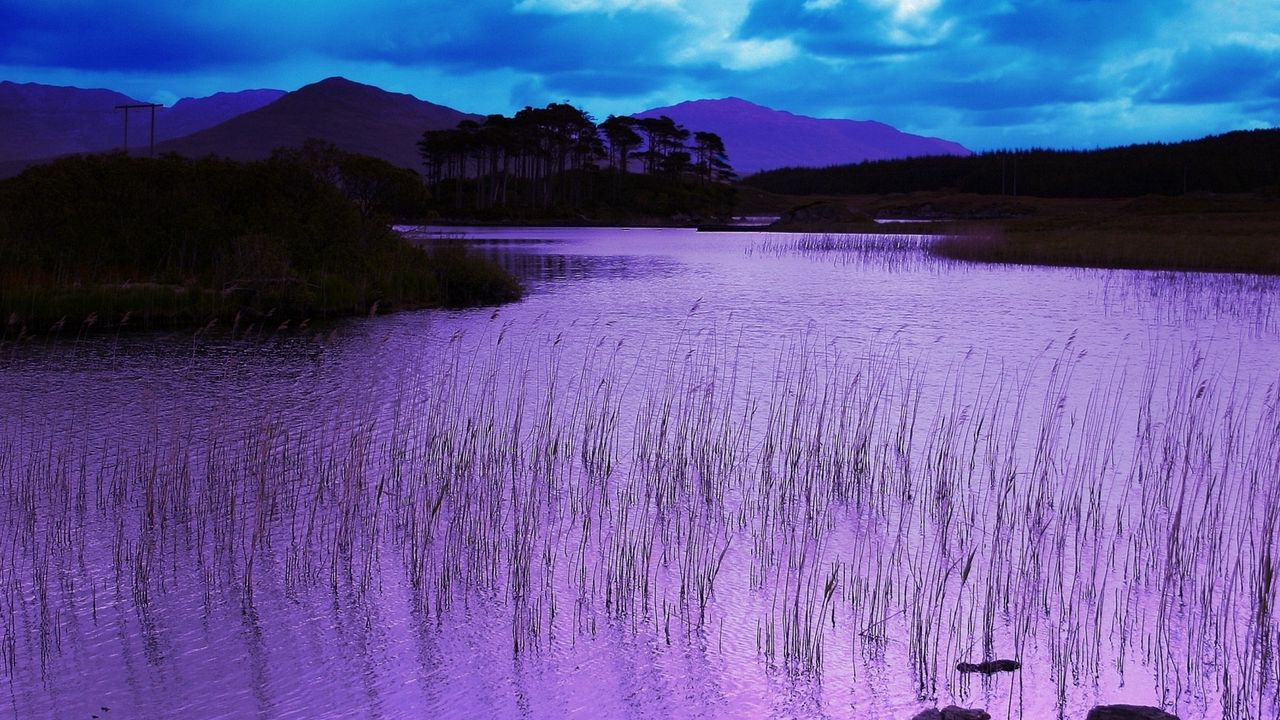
(689, 475)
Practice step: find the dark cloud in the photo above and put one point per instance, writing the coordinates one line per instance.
(844, 30)
(776, 18)
(491, 35)
(122, 36)
(1222, 73)
(128, 34)
(1006, 117)
(1080, 29)
(961, 68)
(606, 83)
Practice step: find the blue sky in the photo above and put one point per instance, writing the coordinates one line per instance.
(986, 73)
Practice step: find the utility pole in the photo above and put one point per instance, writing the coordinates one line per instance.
(130, 106)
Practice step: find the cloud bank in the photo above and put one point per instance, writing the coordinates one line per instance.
(987, 73)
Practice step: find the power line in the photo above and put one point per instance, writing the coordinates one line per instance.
(130, 106)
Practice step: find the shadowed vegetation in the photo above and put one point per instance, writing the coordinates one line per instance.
(117, 240)
(1195, 232)
(1236, 162)
(1207, 234)
(556, 163)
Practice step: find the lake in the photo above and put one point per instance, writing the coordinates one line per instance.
(689, 475)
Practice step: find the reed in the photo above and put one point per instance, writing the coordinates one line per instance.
(829, 507)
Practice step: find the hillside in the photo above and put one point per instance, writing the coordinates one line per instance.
(357, 118)
(759, 138)
(39, 121)
(1241, 161)
(44, 121)
(191, 115)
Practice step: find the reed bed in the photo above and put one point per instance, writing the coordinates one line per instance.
(893, 251)
(1164, 296)
(816, 506)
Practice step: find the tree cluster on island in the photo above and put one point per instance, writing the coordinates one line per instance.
(112, 240)
(557, 161)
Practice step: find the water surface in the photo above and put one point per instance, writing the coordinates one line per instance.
(690, 475)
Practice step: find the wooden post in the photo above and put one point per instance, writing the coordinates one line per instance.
(129, 106)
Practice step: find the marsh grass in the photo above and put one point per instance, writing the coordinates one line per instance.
(821, 507)
(1210, 234)
(1160, 294)
(892, 251)
(1195, 232)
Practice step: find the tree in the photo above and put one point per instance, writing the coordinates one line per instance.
(548, 160)
(712, 160)
(375, 186)
(621, 133)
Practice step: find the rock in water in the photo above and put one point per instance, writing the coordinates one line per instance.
(952, 712)
(823, 216)
(1128, 712)
(989, 667)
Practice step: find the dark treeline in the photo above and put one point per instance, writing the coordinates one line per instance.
(1242, 161)
(173, 240)
(557, 162)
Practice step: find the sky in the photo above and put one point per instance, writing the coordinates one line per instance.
(989, 74)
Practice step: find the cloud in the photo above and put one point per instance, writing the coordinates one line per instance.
(606, 6)
(1219, 73)
(1060, 70)
(596, 83)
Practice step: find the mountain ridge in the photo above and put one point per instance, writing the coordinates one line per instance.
(759, 138)
(39, 122)
(353, 116)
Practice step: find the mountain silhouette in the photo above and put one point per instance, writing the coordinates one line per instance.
(760, 138)
(44, 121)
(191, 115)
(356, 118)
(39, 122)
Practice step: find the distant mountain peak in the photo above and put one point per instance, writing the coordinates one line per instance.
(761, 138)
(356, 117)
(230, 95)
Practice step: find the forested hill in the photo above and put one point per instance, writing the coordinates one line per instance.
(1241, 161)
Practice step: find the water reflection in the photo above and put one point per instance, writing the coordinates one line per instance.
(542, 268)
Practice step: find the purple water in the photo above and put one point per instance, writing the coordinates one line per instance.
(628, 495)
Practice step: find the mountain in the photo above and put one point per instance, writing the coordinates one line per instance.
(355, 117)
(38, 121)
(43, 121)
(190, 115)
(760, 138)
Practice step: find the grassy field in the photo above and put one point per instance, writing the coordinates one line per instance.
(1208, 234)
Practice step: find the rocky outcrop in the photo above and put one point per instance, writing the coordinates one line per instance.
(957, 209)
(989, 667)
(1101, 712)
(1128, 712)
(952, 712)
(823, 216)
